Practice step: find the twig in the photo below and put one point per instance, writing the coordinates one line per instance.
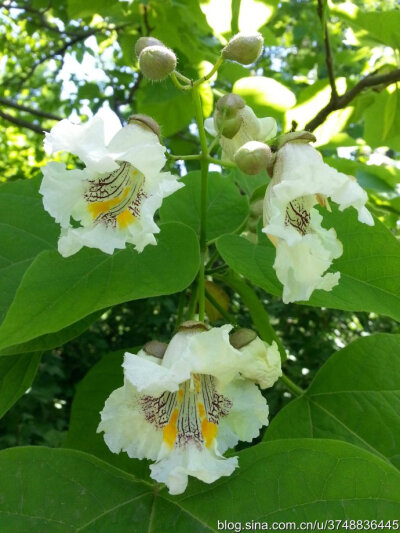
(37, 112)
(328, 52)
(22, 123)
(348, 96)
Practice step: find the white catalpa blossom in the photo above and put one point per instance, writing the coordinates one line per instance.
(304, 249)
(185, 410)
(251, 129)
(112, 201)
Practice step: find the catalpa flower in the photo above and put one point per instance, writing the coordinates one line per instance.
(184, 409)
(237, 124)
(304, 249)
(111, 201)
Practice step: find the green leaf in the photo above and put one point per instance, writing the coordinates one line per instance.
(382, 120)
(227, 209)
(369, 266)
(380, 27)
(266, 96)
(354, 393)
(25, 231)
(91, 394)
(250, 184)
(57, 490)
(171, 108)
(53, 340)
(16, 375)
(56, 292)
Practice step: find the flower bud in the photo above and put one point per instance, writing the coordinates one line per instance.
(146, 122)
(155, 348)
(253, 157)
(144, 42)
(157, 62)
(242, 337)
(227, 115)
(245, 48)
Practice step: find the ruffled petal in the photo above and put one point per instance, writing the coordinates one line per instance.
(262, 362)
(210, 127)
(62, 191)
(268, 128)
(88, 141)
(99, 236)
(125, 426)
(249, 412)
(174, 468)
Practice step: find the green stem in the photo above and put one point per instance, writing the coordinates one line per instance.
(203, 200)
(183, 157)
(192, 303)
(221, 162)
(235, 9)
(219, 62)
(177, 84)
(256, 309)
(182, 77)
(228, 317)
(297, 391)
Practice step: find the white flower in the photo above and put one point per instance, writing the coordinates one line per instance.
(251, 129)
(115, 197)
(185, 410)
(304, 249)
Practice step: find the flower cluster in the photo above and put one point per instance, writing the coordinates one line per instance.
(112, 200)
(184, 409)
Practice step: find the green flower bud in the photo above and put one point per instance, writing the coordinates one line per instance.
(253, 157)
(227, 115)
(245, 48)
(144, 42)
(242, 337)
(155, 348)
(157, 62)
(146, 122)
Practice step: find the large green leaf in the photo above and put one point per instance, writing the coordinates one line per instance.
(91, 394)
(382, 120)
(369, 266)
(53, 340)
(354, 397)
(25, 231)
(16, 376)
(56, 490)
(379, 27)
(56, 292)
(227, 209)
(171, 108)
(266, 96)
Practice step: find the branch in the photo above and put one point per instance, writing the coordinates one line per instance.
(37, 112)
(348, 96)
(328, 51)
(22, 123)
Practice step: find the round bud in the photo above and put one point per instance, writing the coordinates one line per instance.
(242, 337)
(157, 62)
(227, 115)
(230, 104)
(253, 157)
(144, 42)
(146, 122)
(245, 48)
(155, 348)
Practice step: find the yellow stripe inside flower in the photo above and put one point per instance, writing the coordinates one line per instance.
(170, 431)
(125, 218)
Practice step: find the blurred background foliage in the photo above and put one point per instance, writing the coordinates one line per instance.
(332, 67)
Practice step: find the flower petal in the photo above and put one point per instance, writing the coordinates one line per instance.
(174, 468)
(267, 128)
(62, 191)
(125, 426)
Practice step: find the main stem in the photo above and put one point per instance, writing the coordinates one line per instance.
(203, 200)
